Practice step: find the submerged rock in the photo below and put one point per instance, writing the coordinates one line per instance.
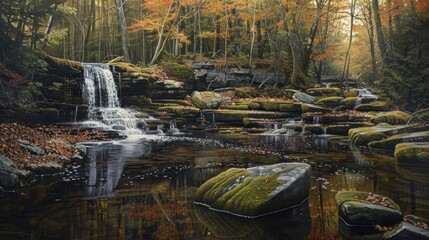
(303, 97)
(10, 175)
(206, 100)
(410, 152)
(258, 190)
(392, 118)
(362, 209)
(409, 229)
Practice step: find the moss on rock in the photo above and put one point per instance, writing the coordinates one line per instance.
(351, 93)
(324, 91)
(330, 101)
(409, 152)
(392, 118)
(374, 106)
(390, 142)
(206, 100)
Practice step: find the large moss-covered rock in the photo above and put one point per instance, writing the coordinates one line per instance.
(351, 93)
(374, 106)
(410, 152)
(390, 142)
(313, 108)
(362, 209)
(364, 135)
(392, 118)
(206, 100)
(258, 190)
(179, 110)
(290, 107)
(412, 228)
(327, 92)
(303, 98)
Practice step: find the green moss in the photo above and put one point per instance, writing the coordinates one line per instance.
(358, 196)
(289, 92)
(179, 110)
(351, 93)
(330, 101)
(324, 91)
(290, 107)
(313, 108)
(393, 118)
(349, 101)
(409, 152)
(375, 106)
(254, 106)
(390, 142)
(125, 67)
(180, 72)
(362, 136)
(206, 99)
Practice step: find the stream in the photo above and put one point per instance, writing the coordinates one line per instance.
(142, 188)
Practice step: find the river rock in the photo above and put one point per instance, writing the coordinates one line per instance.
(362, 209)
(81, 148)
(33, 149)
(77, 158)
(206, 100)
(392, 118)
(407, 230)
(327, 92)
(364, 135)
(6, 161)
(303, 98)
(64, 160)
(44, 168)
(258, 190)
(330, 101)
(410, 152)
(390, 142)
(374, 106)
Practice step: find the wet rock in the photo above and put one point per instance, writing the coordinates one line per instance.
(327, 92)
(119, 127)
(390, 142)
(359, 209)
(363, 136)
(206, 100)
(33, 149)
(313, 108)
(8, 180)
(374, 106)
(6, 161)
(258, 190)
(410, 152)
(64, 160)
(77, 158)
(44, 168)
(392, 118)
(81, 148)
(407, 230)
(303, 98)
(289, 92)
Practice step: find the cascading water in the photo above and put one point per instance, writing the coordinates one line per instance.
(101, 96)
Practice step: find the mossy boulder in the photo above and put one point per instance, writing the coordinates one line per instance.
(303, 98)
(290, 107)
(390, 142)
(330, 101)
(258, 190)
(377, 106)
(392, 118)
(362, 209)
(351, 93)
(326, 92)
(180, 72)
(206, 100)
(410, 152)
(313, 108)
(364, 135)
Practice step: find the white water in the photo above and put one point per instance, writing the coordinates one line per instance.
(364, 93)
(101, 95)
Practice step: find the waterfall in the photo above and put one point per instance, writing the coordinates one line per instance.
(101, 95)
(316, 119)
(173, 128)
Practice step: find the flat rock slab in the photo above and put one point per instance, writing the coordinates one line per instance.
(410, 152)
(361, 209)
(257, 191)
(407, 230)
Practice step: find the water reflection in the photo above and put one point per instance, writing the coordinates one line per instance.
(139, 189)
(106, 162)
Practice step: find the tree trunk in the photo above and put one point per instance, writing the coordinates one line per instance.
(124, 30)
(380, 37)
